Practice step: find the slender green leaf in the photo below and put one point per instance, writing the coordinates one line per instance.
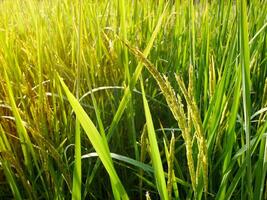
(154, 149)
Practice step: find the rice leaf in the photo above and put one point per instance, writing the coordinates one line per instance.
(96, 140)
(154, 149)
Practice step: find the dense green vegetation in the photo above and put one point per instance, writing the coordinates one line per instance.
(133, 99)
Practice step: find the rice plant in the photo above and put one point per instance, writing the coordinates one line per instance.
(133, 99)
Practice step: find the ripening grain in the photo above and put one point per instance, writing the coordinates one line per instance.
(131, 99)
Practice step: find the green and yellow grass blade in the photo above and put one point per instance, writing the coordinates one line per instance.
(135, 76)
(10, 176)
(96, 140)
(154, 149)
(77, 172)
(127, 92)
(26, 143)
(230, 136)
(245, 65)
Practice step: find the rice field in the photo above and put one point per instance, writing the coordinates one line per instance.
(131, 99)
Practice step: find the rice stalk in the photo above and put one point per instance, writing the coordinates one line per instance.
(77, 171)
(143, 144)
(245, 66)
(176, 107)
